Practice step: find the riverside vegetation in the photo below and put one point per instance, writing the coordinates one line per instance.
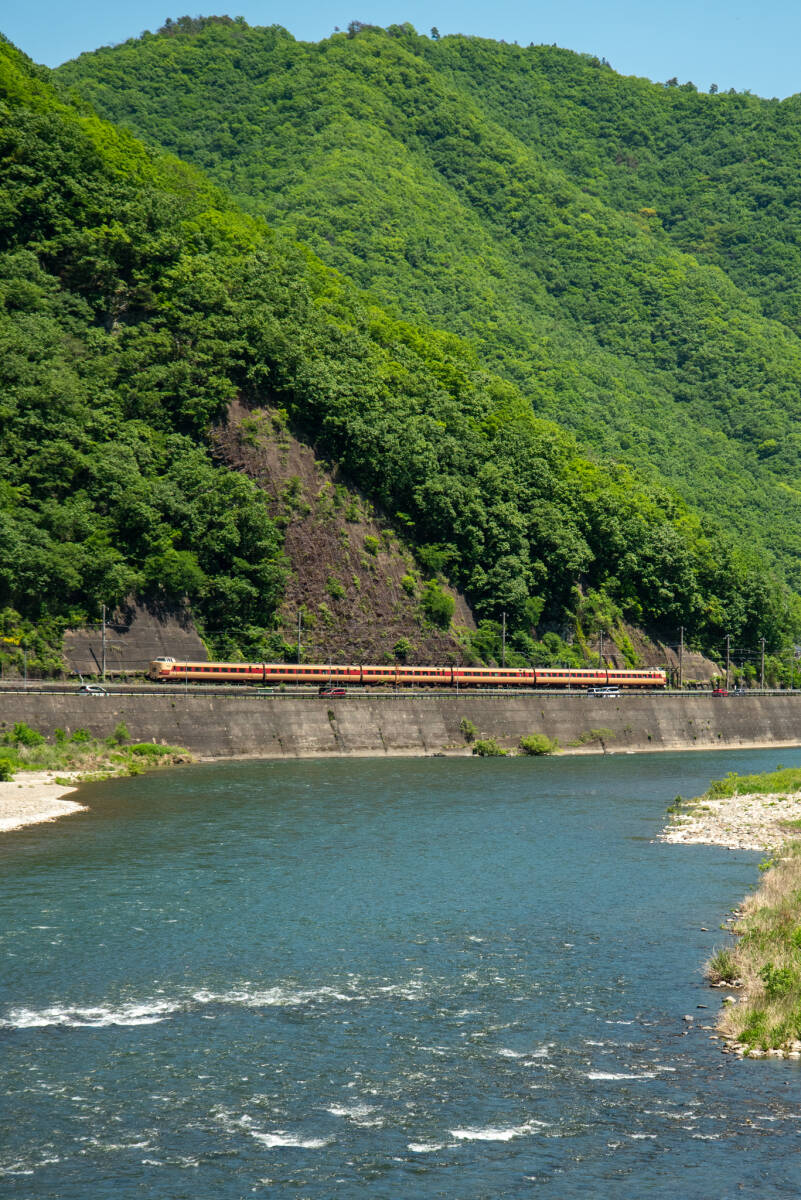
(83, 756)
(139, 300)
(764, 964)
(533, 745)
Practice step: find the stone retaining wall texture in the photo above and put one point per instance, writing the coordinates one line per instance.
(293, 726)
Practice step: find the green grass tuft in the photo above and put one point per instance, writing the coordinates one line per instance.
(538, 743)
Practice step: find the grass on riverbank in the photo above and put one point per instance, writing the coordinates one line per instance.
(765, 962)
(81, 755)
(781, 782)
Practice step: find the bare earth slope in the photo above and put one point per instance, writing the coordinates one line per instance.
(354, 584)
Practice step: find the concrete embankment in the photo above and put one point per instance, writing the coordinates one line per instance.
(275, 725)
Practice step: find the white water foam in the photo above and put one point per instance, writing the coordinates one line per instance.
(152, 1011)
(280, 997)
(280, 1138)
(425, 1147)
(359, 1114)
(148, 1013)
(491, 1133)
(96, 1144)
(614, 1075)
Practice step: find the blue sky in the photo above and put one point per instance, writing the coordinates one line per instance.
(733, 43)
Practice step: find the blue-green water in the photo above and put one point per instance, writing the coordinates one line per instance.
(405, 978)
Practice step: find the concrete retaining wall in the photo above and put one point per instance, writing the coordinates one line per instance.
(294, 726)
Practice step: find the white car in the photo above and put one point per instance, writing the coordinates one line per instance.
(92, 689)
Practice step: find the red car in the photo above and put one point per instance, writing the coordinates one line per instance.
(324, 691)
(719, 692)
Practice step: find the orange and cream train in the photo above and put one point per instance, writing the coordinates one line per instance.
(165, 670)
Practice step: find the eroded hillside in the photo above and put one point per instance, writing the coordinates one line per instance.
(360, 594)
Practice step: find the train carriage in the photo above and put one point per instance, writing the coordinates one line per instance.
(167, 669)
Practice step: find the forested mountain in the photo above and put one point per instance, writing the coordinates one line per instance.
(138, 303)
(627, 254)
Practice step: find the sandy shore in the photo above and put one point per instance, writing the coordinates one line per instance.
(34, 796)
(747, 822)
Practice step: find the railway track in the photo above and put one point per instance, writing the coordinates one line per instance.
(260, 694)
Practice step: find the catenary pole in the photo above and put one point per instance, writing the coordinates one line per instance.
(681, 657)
(103, 650)
(728, 659)
(762, 665)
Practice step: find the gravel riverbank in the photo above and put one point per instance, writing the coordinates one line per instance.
(741, 822)
(34, 796)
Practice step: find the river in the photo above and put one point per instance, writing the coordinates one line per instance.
(386, 978)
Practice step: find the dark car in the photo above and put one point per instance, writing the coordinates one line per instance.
(331, 691)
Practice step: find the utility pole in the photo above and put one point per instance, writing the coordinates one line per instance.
(503, 642)
(601, 649)
(762, 666)
(103, 650)
(681, 657)
(728, 659)
(300, 618)
(25, 664)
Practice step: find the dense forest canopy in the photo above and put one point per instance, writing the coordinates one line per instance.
(137, 300)
(625, 253)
